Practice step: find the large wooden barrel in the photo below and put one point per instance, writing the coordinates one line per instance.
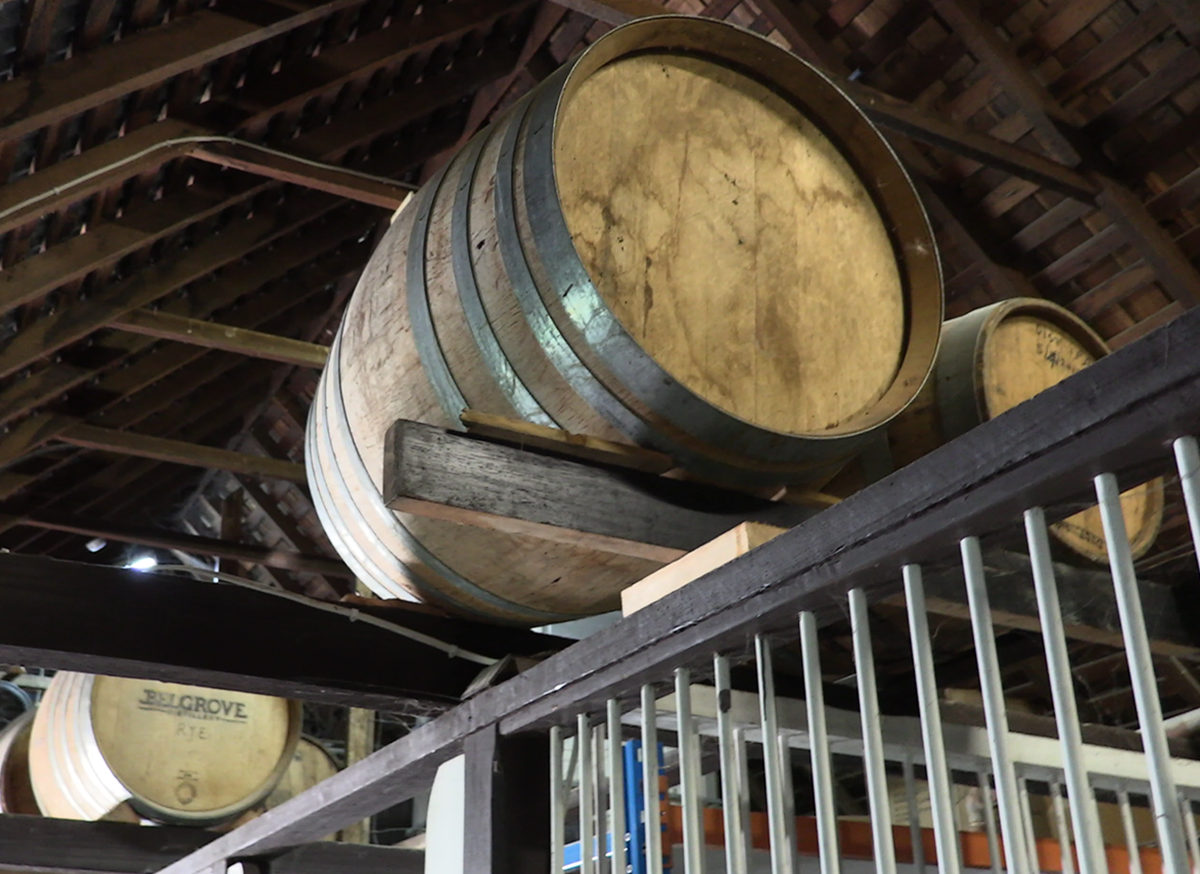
(16, 790)
(688, 239)
(178, 754)
(310, 765)
(993, 359)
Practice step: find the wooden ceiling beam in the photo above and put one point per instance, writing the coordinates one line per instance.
(179, 452)
(59, 91)
(161, 538)
(299, 171)
(211, 335)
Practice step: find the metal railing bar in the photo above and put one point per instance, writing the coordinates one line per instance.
(937, 771)
(616, 785)
(873, 760)
(1141, 675)
(914, 814)
(1131, 841)
(1062, 829)
(652, 810)
(1084, 814)
(736, 859)
(989, 823)
(587, 824)
(822, 765)
(558, 801)
(781, 855)
(991, 686)
(689, 775)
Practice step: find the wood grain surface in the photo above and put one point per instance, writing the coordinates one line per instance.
(732, 240)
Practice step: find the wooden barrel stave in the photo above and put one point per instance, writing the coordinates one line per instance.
(89, 730)
(969, 387)
(463, 305)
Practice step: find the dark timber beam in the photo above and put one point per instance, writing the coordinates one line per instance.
(289, 168)
(211, 335)
(179, 452)
(507, 815)
(72, 616)
(56, 92)
(447, 475)
(166, 539)
(69, 847)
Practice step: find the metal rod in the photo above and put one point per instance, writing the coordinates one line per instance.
(1063, 830)
(600, 785)
(616, 787)
(558, 802)
(789, 802)
(736, 860)
(914, 814)
(996, 715)
(745, 839)
(1131, 841)
(873, 761)
(989, 822)
(1189, 826)
(781, 858)
(818, 732)
(1085, 816)
(1187, 458)
(587, 825)
(653, 811)
(689, 775)
(1027, 825)
(1141, 675)
(937, 772)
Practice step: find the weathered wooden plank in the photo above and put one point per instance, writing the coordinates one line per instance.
(559, 442)
(446, 475)
(179, 452)
(211, 335)
(72, 616)
(615, 11)
(166, 539)
(58, 91)
(96, 169)
(507, 826)
(320, 177)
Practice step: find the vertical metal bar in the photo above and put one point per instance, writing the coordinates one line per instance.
(689, 775)
(1189, 826)
(616, 787)
(1089, 843)
(993, 701)
(1187, 457)
(653, 811)
(558, 801)
(599, 760)
(914, 814)
(989, 822)
(873, 761)
(1141, 675)
(1131, 841)
(1062, 829)
(789, 802)
(822, 766)
(743, 771)
(587, 825)
(736, 860)
(1027, 824)
(781, 857)
(936, 769)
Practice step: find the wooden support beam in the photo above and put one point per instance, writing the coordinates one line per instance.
(165, 539)
(615, 12)
(1172, 268)
(179, 452)
(98, 168)
(322, 177)
(507, 816)
(56, 92)
(211, 335)
(72, 616)
(64, 846)
(447, 475)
